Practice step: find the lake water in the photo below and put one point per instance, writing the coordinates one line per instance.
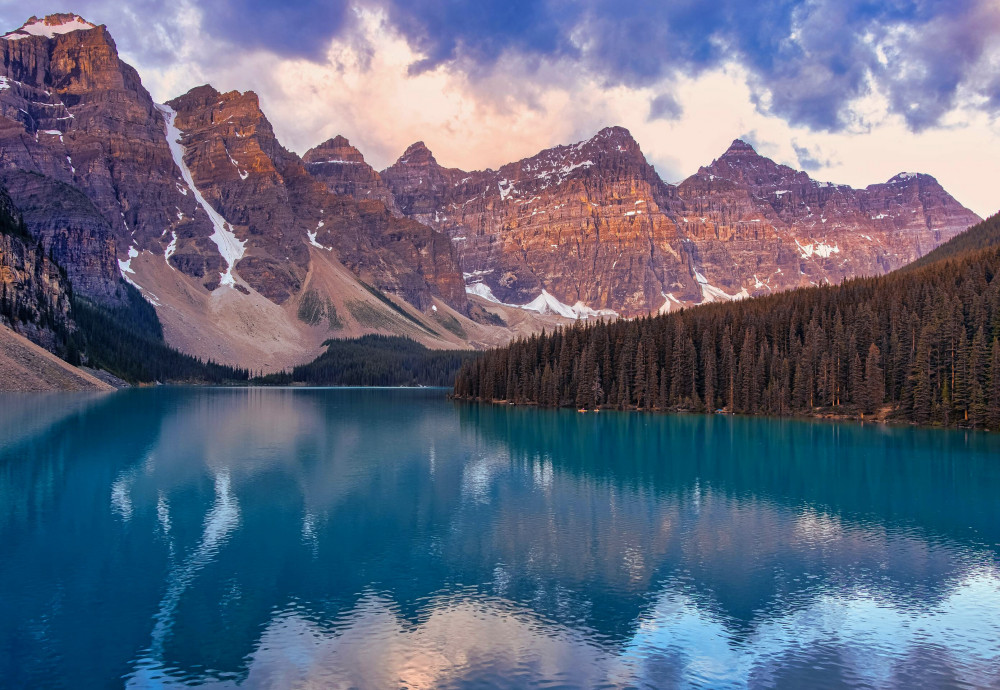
(393, 538)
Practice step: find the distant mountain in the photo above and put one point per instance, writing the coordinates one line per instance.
(343, 170)
(592, 225)
(919, 345)
(197, 203)
(980, 236)
(254, 257)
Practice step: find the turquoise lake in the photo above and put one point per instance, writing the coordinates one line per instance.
(320, 538)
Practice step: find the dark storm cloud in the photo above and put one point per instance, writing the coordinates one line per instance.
(665, 107)
(806, 59)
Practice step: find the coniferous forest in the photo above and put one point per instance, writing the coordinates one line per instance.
(376, 360)
(921, 345)
(127, 341)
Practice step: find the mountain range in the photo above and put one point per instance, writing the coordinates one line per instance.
(254, 256)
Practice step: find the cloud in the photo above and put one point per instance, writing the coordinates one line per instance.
(810, 159)
(822, 86)
(807, 61)
(665, 107)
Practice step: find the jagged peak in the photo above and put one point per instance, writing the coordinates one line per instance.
(740, 147)
(613, 131)
(335, 150)
(905, 177)
(207, 95)
(417, 153)
(615, 134)
(50, 26)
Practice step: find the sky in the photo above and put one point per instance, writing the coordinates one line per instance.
(852, 91)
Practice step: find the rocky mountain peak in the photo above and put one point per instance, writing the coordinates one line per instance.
(615, 133)
(740, 147)
(417, 154)
(343, 170)
(336, 150)
(50, 26)
(612, 140)
(911, 177)
(199, 96)
(742, 164)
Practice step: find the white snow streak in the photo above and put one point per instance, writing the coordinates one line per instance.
(230, 246)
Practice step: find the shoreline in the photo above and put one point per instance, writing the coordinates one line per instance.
(884, 420)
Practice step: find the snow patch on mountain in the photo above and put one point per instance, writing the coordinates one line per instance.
(125, 266)
(545, 303)
(230, 247)
(50, 27)
(710, 293)
(821, 249)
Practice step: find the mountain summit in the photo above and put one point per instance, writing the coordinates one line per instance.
(50, 26)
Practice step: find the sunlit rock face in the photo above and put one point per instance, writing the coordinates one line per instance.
(593, 224)
(343, 170)
(70, 109)
(274, 206)
(780, 228)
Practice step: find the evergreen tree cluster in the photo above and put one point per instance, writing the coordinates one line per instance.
(920, 345)
(376, 360)
(127, 341)
(982, 236)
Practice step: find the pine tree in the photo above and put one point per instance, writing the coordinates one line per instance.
(874, 380)
(993, 408)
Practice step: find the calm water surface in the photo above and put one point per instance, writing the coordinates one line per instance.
(383, 539)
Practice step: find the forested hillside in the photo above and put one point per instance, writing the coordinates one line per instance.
(920, 345)
(127, 340)
(980, 236)
(376, 360)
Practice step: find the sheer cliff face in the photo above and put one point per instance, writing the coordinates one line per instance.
(586, 222)
(275, 207)
(343, 170)
(70, 109)
(34, 291)
(71, 230)
(593, 223)
(201, 182)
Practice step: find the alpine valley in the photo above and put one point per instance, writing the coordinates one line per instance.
(254, 257)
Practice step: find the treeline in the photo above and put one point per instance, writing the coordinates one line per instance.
(127, 341)
(376, 360)
(920, 345)
(982, 236)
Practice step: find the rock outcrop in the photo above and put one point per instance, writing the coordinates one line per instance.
(70, 109)
(72, 231)
(593, 226)
(34, 290)
(276, 208)
(343, 170)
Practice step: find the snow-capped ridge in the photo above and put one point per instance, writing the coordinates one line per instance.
(50, 26)
(904, 177)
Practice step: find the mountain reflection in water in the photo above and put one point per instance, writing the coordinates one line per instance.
(386, 538)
